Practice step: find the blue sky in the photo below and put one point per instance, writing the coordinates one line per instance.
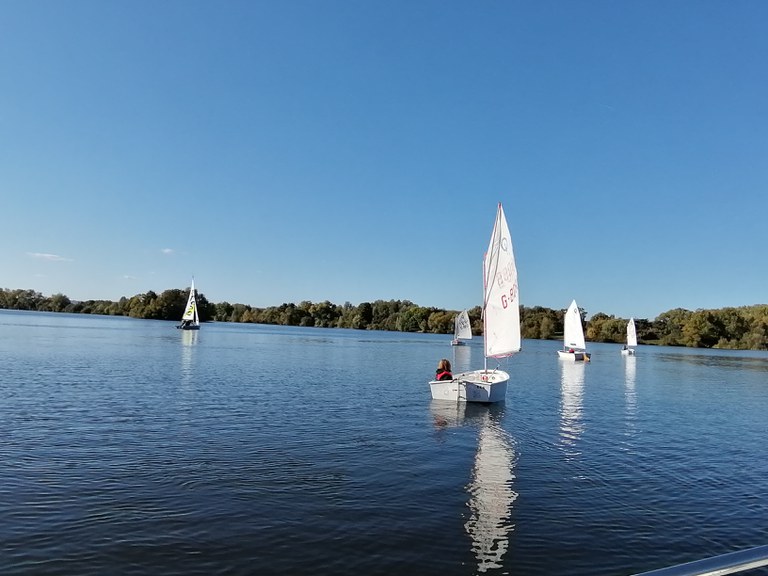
(354, 151)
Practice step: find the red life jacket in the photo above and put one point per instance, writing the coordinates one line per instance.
(440, 375)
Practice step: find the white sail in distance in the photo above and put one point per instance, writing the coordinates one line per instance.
(462, 327)
(631, 333)
(573, 335)
(190, 312)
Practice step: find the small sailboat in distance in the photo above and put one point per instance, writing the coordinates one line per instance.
(501, 324)
(190, 320)
(462, 330)
(629, 349)
(574, 346)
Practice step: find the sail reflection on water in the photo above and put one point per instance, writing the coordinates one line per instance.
(491, 494)
(188, 342)
(630, 395)
(571, 403)
(462, 358)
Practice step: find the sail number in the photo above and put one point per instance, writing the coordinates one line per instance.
(505, 300)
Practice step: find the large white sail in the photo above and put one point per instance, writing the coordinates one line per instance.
(573, 335)
(190, 312)
(631, 333)
(462, 327)
(501, 304)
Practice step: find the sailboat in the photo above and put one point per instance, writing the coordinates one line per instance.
(462, 330)
(574, 346)
(629, 349)
(501, 324)
(190, 320)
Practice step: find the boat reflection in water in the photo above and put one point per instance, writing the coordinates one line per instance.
(630, 395)
(462, 358)
(571, 400)
(490, 489)
(188, 342)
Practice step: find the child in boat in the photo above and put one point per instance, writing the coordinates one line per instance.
(443, 371)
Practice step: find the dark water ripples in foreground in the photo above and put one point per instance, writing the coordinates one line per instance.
(129, 447)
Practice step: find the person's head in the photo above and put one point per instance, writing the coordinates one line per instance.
(444, 365)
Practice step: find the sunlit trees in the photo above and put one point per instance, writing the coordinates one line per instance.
(413, 319)
(244, 313)
(223, 311)
(604, 328)
(58, 303)
(744, 327)
(540, 323)
(346, 316)
(325, 314)
(669, 326)
(21, 299)
(441, 322)
(364, 315)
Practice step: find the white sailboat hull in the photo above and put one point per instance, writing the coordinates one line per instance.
(487, 386)
(575, 356)
(628, 352)
(457, 342)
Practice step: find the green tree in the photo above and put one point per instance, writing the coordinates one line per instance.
(346, 316)
(238, 311)
(441, 322)
(701, 329)
(412, 319)
(170, 304)
(669, 326)
(24, 300)
(223, 311)
(364, 316)
(735, 325)
(325, 314)
(59, 303)
(757, 337)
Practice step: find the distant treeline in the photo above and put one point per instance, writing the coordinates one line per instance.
(744, 328)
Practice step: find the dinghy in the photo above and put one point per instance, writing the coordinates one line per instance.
(501, 324)
(574, 346)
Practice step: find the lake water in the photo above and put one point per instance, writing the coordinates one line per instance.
(130, 447)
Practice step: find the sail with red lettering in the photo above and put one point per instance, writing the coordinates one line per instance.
(501, 304)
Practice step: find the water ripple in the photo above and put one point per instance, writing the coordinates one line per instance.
(130, 449)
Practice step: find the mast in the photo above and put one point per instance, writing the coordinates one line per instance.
(193, 295)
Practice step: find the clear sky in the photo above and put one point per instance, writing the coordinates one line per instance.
(356, 150)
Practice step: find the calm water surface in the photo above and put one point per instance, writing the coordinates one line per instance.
(129, 447)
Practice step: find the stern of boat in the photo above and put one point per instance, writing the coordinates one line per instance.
(479, 386)
(576, 356)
